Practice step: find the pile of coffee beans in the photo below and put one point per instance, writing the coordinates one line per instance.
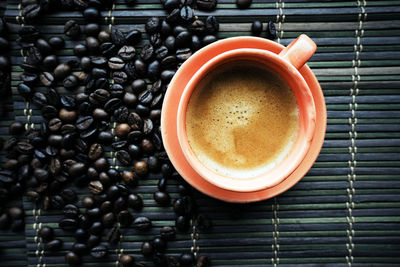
(4, 61)
(116, 84)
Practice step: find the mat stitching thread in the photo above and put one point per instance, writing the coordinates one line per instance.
(28, 126)
(351, 176)
(194, 236)
(280, 19)
(110, 20)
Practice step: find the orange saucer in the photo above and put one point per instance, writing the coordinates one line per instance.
(169, 117)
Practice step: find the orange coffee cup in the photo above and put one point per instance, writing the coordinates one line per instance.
(286, 65)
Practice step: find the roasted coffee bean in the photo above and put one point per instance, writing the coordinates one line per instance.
(92, 44)
(70, 211)
(80, 50)
(99, 73)
(147, 146)
(79, 248)
(56, 42)
(72, 29)
(66, 115)
(83, 123)
(91, 14)
(167, 170)
(174, 16)
(117, 90)
(121, 114)
(93, 241)
(125, 218)
(203, 261)
(183, 39)
(159, 244)
(100, 95)
(207, 5)
(208, 39)
(99, 62)
(116, 63)
(107, 49)
(43, 46)
(145, 97)
(156, 40)
(68, 195)
(186, 14)
(162, 198)
(31, 11)
(16, 128)
(96, 228)
(166, 76)
(256, 28)
(122, 130)
(105, 138)
(183, 53)
(182, 223)
(95, 187)
(34, 55)
(166, 28)
(95, 151)
(72, 258)
(186, 259)
(242, 4)
(169, 43)
(50, 62)
(129, 178)
(55, 124)
(93, 213)
(153, 70)
(16, 213)
(147, 249)
(104, 36)
(197, 27)
(62, 71)
(167, 233)
(196, 43)
(77, 169)
(133, 37)
(212, 25)
(46, 78)
(130, 70)
(124, 157)
(142, 223)
(138, 85)
(127, 53)
(169, 62)
(147, 52)
(127, 260)
(135, 202)
(68, 224)
(152, 25)
(140, 67)
(25, 148)
(171, 4)
(68, 101)
(271, 30)
(117, 37)
(118, 145)
(141, 168)
(120, 77)
(147, 126)
(81, 235)
(101, 164)
(130, 99)
(88, 202)
(53, 245)
(92, 29)
(29, 78)
(113, 235)
(70, 82)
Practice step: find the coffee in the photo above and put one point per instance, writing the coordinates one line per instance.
(242, 120)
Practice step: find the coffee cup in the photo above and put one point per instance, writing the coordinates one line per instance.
(284, 68)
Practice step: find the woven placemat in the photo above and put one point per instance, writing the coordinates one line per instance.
(345, 211)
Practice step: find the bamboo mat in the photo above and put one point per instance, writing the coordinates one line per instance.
(344, 212)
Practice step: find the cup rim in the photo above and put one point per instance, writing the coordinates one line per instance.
(285, 167)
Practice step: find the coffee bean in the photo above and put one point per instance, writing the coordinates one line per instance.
(55, 124)
(95, 187)
(46, 78)
(142, 223)
(72, 258)
(212, 25)
(113, 235)
(68, 102)
(72, 29)
(153, 70)
(70, 82)
(130, 99)
(104, 36)
(117, 90)
(107, 49)
(92, 29)
(83, 123)
(70, 211)
(92, 44)
(118, 145)
(25, 148)
(147, 249)
(68, 195)
(117, 37)
(167, 233)
(127, 53)
(62, 71)
(141, 168)
(124, 157)
(93, 241)
(152, 25)
(116, 63)
(135, 202)
(126, 260)
(271, 30)
(56, 42)
(68, 224)
(174, 16)
(156, 40)
(43, 46)
(256, 28)
(39, 99)
(53, 245)
(122, 130)
(183, 53)
(182, 223)
(243, 4)
(125, 218)
(207, 5)
(166, 76)
(208, 39)
(79, 248)
(133, 37)
(91, 14)
(203, 261)
(16, 128)
(186, 14)
(120, 204)
(16, 213)
(138, 85)
(95, 151)
(147, 52)
(29, 78)
(31, 11)
(186, 259)
(171, 4)
(81, 235)
(166, 28)
(140, 67)
(120, 77)
(96, 228)
(162, 198)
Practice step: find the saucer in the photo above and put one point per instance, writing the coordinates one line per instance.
(170, 109)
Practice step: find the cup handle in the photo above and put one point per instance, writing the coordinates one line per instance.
(299, 51)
